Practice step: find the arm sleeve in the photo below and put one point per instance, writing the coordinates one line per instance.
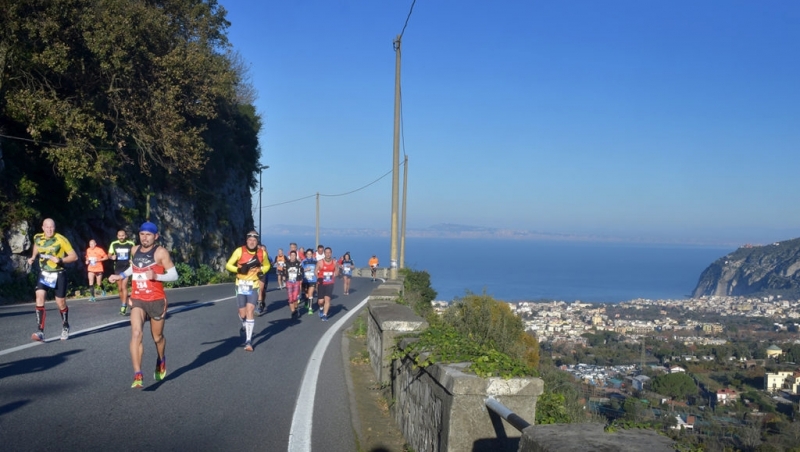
(265, 266)
(128, 272)
(231, 265)
(170, 275)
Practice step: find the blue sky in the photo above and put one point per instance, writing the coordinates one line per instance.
(670, 121)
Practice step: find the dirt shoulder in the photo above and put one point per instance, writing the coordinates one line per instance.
(375, 427)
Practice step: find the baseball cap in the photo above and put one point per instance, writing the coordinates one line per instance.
(149, 227)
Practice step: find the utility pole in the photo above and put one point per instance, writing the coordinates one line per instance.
(260, 189)
(395, 162)
(316, 237)
(403, 215)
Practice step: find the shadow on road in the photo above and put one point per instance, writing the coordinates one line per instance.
(31, 365)
(223, 348)
(335, 309)
(275, 327)
(9, 407)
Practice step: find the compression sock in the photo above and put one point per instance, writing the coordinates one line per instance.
(249, 324)
(64, 316)
(40, 316)
(91, 291)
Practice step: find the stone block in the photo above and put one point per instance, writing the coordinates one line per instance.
(386, 321)
(585, 437)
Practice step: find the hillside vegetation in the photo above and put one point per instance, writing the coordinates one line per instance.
(117, 111)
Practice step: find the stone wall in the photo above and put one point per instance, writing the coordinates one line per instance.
(440, 407)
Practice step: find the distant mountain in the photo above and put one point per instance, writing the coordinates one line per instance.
(442, 230)
(755, 271)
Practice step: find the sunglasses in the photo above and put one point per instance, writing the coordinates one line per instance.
(252, 235)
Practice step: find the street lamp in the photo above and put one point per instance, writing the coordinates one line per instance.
(260, 189)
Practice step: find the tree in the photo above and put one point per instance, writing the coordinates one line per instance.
(108, 90)
(677, 385)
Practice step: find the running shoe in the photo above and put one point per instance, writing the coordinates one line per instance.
(123, 310)
(38, 336)
(321, 313)
(310, 311)
(92, 299)
(324, 317)
(262, 308)
(137, 380)
(161, 370)
(103, 293)
(65, 333)
(248, 347)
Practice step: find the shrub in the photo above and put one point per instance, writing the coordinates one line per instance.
(491, 323)
(417, 291)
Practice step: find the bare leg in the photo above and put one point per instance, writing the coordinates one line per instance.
(157, 331)
(137, 323)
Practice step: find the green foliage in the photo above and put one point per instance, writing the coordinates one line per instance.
(442, 343)
(551, 409)
(417, 291)
(674, 385)
(121, 95)
(189, 276)
(491, 323)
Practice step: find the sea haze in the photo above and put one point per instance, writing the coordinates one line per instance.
(514, 270)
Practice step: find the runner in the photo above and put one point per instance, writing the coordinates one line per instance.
(326, 274)
(53, 251)
(151, 266)
(294, 279)
(320, 254)
(309, 278)
(373, 266)
(264, 278)
(346, 267)
(280, 268)
(248, 262)
(120, 252)
(94, 267)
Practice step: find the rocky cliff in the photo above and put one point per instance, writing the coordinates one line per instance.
(199, 228)
(758, 271)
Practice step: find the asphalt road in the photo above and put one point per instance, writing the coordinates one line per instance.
(76, 395)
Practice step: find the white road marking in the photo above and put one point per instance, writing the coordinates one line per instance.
(95, 328)
(300, 432)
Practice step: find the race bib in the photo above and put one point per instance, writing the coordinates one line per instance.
(293, 273)
(244, 287)
(140, 280)
(49, 279)
(92, 260)
(347, 270)
(122, 255)
(309, 275)
(327, 276)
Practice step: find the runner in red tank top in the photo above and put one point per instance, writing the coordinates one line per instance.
(151, 265)
(326, 277)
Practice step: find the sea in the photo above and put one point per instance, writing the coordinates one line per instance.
(521, 270)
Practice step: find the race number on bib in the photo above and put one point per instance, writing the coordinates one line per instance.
(122, 255)
(244, 287)
(49, 279)
(327, 276)
(292, 274)
(347, 270)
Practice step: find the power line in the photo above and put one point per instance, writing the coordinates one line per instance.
(407, 17)
(332, 195)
